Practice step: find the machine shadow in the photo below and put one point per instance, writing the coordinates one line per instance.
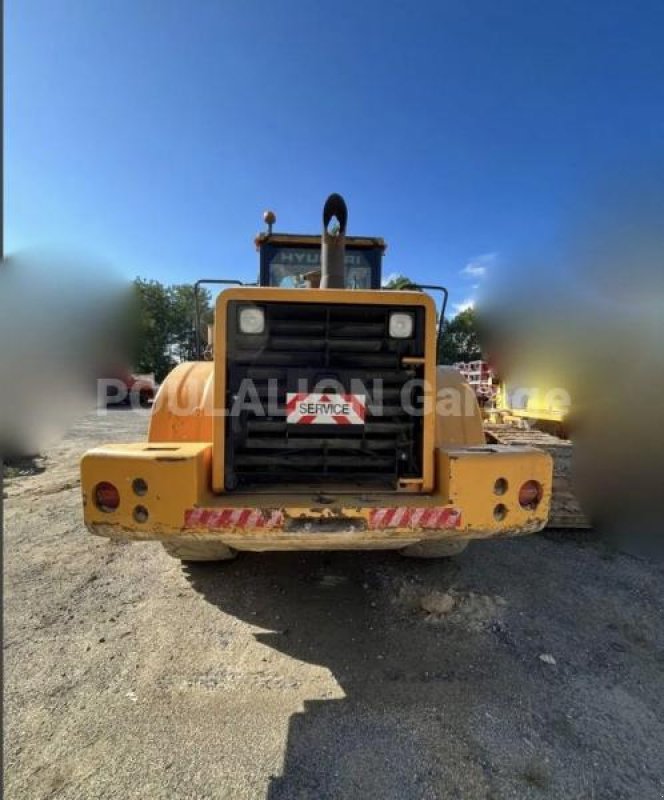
(398, 731)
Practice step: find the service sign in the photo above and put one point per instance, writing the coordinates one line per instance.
(325, 409)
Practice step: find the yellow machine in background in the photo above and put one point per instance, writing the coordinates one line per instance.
(323, 422)
(543, 406)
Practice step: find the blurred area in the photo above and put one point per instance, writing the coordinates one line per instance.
(66, 320)
(587, 320)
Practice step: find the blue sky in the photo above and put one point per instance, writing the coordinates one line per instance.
(155, 132)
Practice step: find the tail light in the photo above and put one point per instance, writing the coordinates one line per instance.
(530, 494)
(107, 497)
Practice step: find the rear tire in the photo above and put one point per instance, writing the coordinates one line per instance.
(198, 550)
(444, 549)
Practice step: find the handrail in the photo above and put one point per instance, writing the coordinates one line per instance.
(198, 307)
(441, 321)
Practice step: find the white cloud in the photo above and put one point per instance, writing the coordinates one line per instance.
(474, 269)
(477, 267)
(469, 302)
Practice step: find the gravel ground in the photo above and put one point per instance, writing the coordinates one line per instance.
(525, 668)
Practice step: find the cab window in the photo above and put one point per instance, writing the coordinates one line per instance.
(299, 267)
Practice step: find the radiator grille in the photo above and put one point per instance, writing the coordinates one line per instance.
(319, 347)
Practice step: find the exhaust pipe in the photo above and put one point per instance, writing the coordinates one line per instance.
(333, 245)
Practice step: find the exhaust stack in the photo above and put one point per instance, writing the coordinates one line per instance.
(333, 245)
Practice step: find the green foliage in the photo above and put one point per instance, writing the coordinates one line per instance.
(182, 328)
(152, 329)
(401, 283)
(165, 328)
(460, 340)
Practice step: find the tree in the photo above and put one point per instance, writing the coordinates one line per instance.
(183, 319)
(152, 328)
(165, 325)
(401, 283)
(460, 340)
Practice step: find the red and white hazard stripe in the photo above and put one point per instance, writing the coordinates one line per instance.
(247, 518)
(433, 517)
(411, 518)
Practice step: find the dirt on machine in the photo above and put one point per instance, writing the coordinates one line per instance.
(318, 418)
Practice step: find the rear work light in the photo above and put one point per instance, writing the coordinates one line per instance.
(107, 497)
(251, 319)
(401, 325)
(530, 495)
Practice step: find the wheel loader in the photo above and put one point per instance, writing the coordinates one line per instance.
(323, 421)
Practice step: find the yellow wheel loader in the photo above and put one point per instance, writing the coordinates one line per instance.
(323, 421)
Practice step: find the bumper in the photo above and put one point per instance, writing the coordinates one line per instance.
(175, 501)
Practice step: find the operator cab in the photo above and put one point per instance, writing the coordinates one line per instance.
(289, 260)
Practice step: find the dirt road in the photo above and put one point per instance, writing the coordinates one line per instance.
(530, 668)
